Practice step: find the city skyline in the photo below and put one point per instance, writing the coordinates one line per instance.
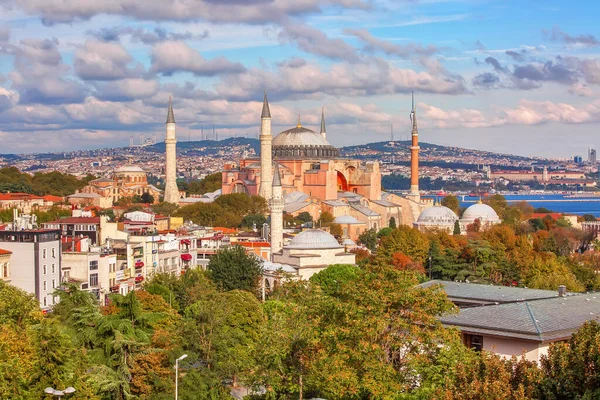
(499, 76)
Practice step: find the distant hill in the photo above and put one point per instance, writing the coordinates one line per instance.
(208, 146)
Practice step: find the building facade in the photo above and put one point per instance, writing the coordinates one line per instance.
(35, 264)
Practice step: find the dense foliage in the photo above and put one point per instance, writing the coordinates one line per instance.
(228, 210)
(209, 184)
(53, 183)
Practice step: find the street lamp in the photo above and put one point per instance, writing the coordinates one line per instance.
(177, 373)
(59, 393)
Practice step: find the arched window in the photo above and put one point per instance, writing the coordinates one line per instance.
(240, 188)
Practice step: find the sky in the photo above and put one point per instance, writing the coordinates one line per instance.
(511, 76)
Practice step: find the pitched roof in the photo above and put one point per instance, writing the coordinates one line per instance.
(536, 320)
(4, 252)
(364, 210)
(460, 292)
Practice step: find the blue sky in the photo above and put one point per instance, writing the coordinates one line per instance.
(508, 76)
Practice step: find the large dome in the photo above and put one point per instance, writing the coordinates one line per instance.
(313, 239)
(300, 136)
(480, 211)
(437, 215)
(302, 142)
(129, 168)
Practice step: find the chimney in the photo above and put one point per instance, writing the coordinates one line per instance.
(562, 291)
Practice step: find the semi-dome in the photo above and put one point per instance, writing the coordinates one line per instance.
(480, 211)
(437, 215)
(129, 168)
(313, 239)
(304, 142)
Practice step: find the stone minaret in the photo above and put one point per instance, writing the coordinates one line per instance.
(414, 155)
(323, 130)
(171, 191)
(276, 204)
(266, 158)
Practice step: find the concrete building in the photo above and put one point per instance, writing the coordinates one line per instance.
(77, 226)
(90, 267)
(171, 191)
(5, 265)
(35, 263)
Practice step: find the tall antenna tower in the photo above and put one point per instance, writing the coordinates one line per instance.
(130, 141)
(214, 135)
(392, 132)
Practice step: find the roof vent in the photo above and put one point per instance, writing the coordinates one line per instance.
(562, 291)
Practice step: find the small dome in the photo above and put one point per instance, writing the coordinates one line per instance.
(437, 215)
(129, 168)
(346, 219)
(313, 239)
(480, 211)
(300, 136)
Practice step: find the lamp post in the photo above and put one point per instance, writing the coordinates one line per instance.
(59, 393)
(177, 373)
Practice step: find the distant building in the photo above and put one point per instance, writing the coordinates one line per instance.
(126, 181)
(578, 159)
(592, 156)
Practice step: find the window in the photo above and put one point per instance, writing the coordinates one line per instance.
(474, 342)
(93, 264)
(44, 269)
(43, 253)
(44, 285)
(5, 270)
(66, 275)
(53, 252)
(45, 304)
(53, 268)
(93, 279)
(53, 283)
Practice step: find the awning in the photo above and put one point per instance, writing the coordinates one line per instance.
(139, 264)
(139, 279)
(186, 257)
(186, 241)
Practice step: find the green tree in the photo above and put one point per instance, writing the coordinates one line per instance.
(451, 202)
(253, 220)
(325, 218)
(223, 331)
(209, 184)
(392, 223)
(368, 239)
(164, 208)
(233, 269)
(334, 277)
(408, 241)
(147, 198)
(304, 217)
(456, 230)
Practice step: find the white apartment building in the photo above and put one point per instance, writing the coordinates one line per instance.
(35, 264)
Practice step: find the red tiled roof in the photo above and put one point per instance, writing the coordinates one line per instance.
(55, 199)
(4, 252)
(224, 230)
(18, 196)
(254, 244)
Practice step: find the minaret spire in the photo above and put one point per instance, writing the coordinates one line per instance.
(323, 130)
(414, 154)
(266, 148)
(171, 194)
(170, 114)
(266, 112)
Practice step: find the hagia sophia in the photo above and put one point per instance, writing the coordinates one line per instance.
(315, 178)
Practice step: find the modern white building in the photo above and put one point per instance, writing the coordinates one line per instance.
(35, 264)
